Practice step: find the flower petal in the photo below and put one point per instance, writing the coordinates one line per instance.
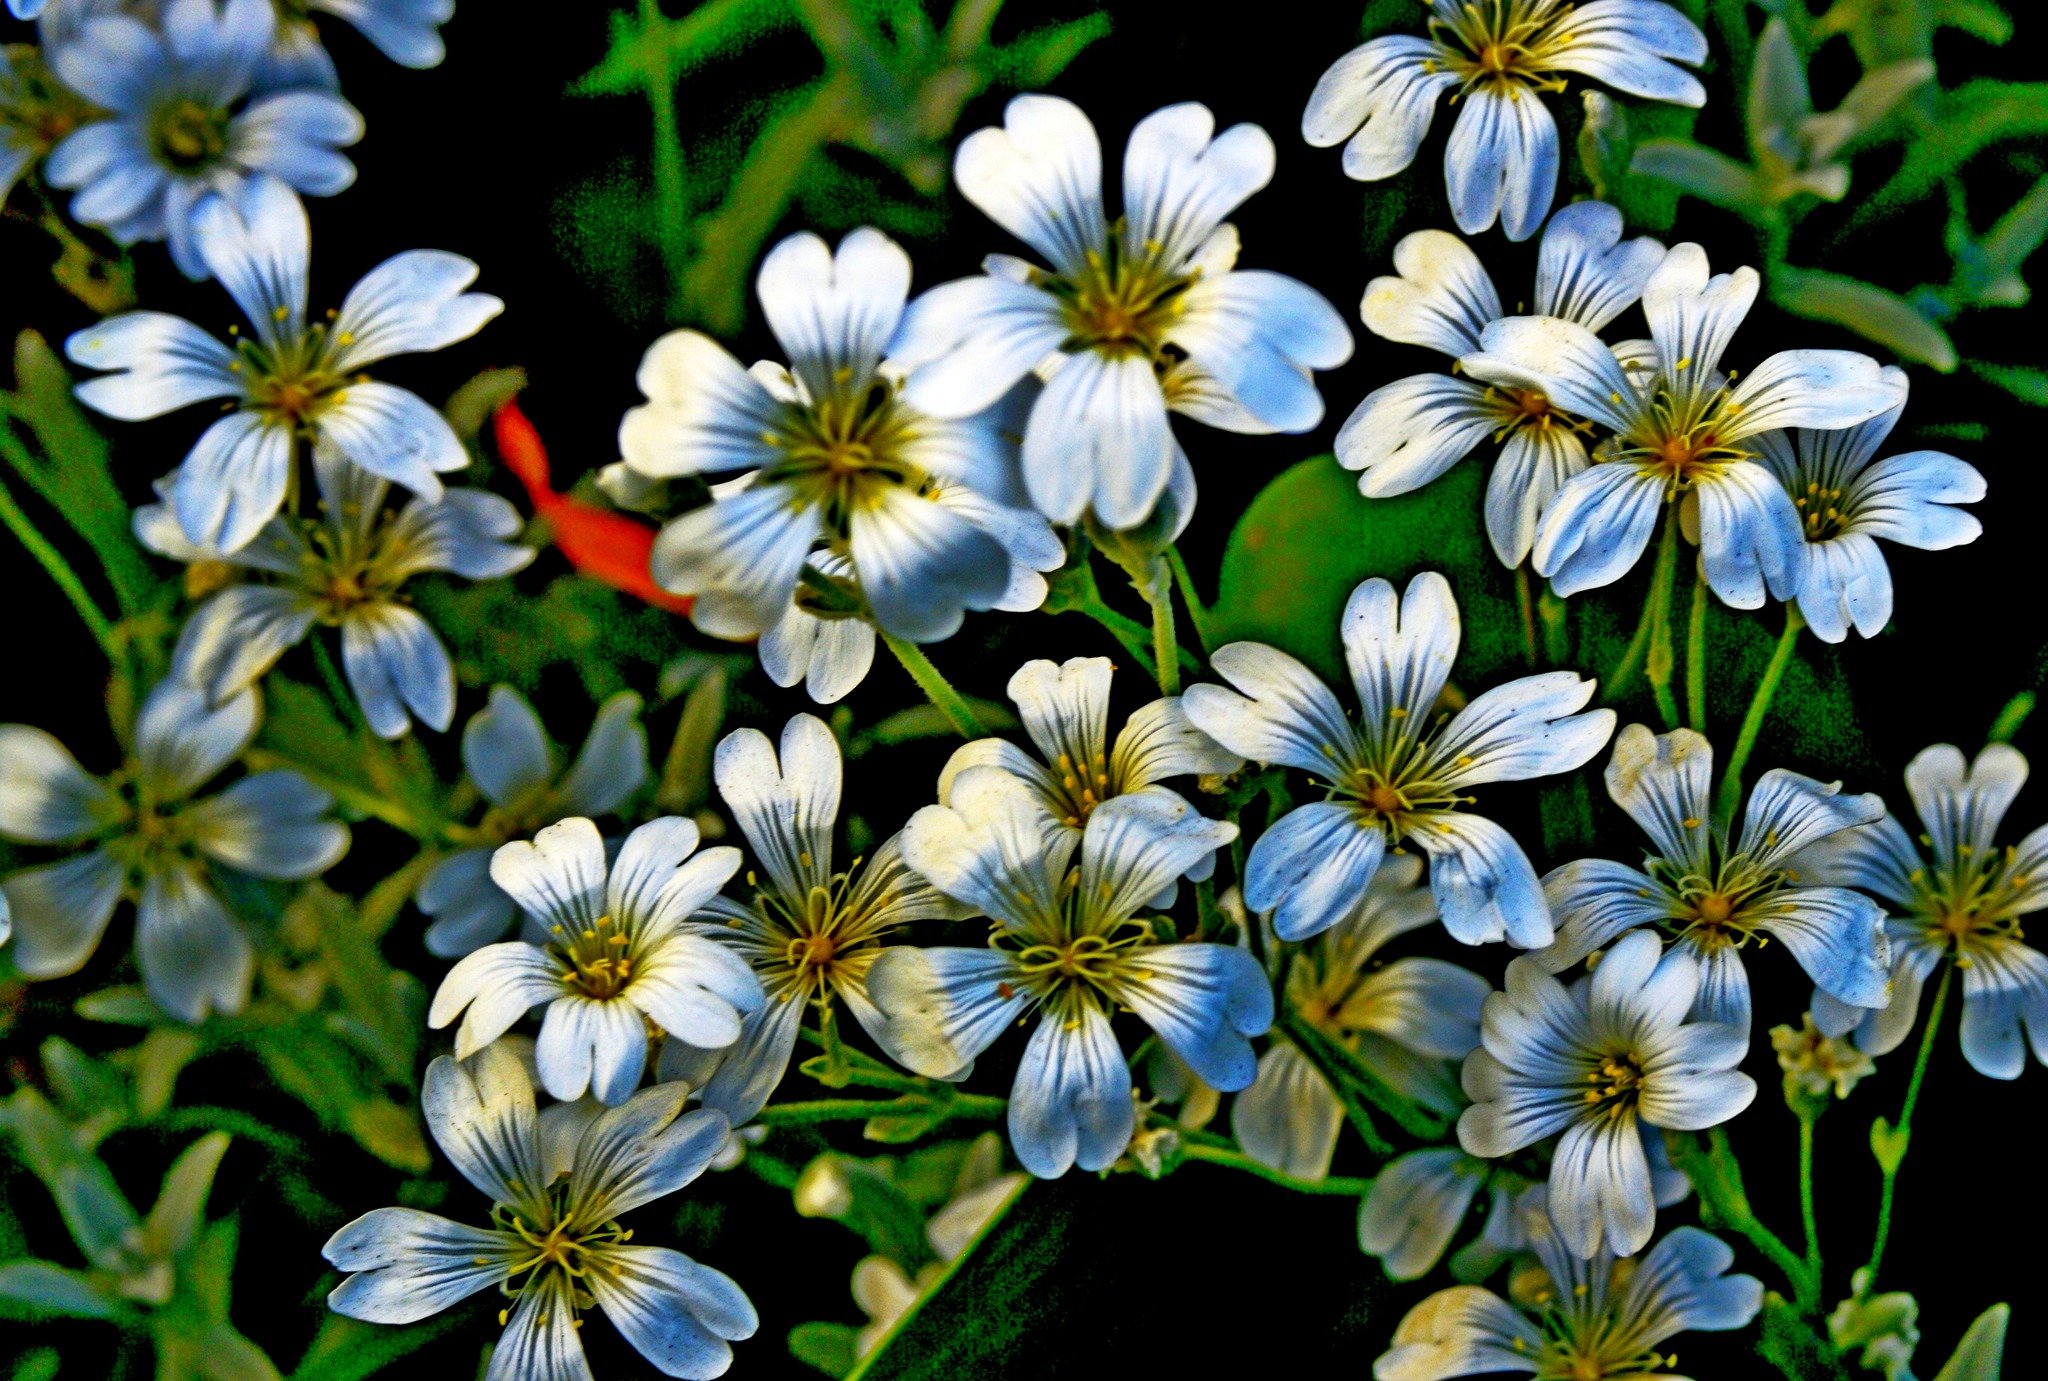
(680, 1316)
(233, 481)
(229, 641)
(1527, 728)
(410, 1265)
(1534, 465)
(273, 825)
(1203, 1001)
(195, 959)
(1404, 434)
(1284, 714)
(1441, 299)
(1381, 96)
(1787, 812)
(499, 984)
(505, 749)
(740, 555)
(1501, 161)
(182, 742)
(411, 303)
(611, 767)
(1071, 1102)
(1289, 1117)
(61, 910)
(1098, 435)
(1181, 179)
(1311, 866)
(943, 1006)
(160, 363)
(1485, 885)
(1463, 1331)
(1416, 1206)
(45, 796)
(786, 807)
(1600, 1188)
(968, 342)
(1039, 177)
(750, 1068)
(834, 313)
(1627, 44)
(704, 412)
(921, 564)
(1585, 272)
(395, 664)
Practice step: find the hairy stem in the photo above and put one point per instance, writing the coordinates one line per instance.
(1346, 1186)
(1807, 1218)
(1902, 1133)
(936, 687)
(1696, 658)
(1759, 706)
(1198, 613)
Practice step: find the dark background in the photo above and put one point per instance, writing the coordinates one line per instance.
(1207, 1267)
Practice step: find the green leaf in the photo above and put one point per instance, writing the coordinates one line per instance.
(1988, 270)
(1605, 145)
(1310, 537)
(469, 408)
(1968, 119)
(2022, 381)
(685, 782)
(1701, 172)
(45, 1288)
(827, 1346)
(988, 1302)
(72, 473)
(174, 1222)
(122, 1006)
(1868, 310)
(1981, 1353)
(351, 1350)
(41, 1364)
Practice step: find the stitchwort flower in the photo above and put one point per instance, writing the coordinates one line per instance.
(506, 751)
(1967, 905)
(184, 119)
(1136, 318)
(346, 570)
(1495, 57)
(143, 833)
(289, 381)
(1573, 1318)
(1846, 504)
(1071, 943)
(1597, 1062)
(1406, 1022)
(1396, 775)
(559, 1181)
(810, 934)
(620, 957)
(1065, 709)
(1408, 432)
(1683, 432)
(834, 457)
(1715, 891)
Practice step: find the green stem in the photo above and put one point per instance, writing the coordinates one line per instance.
(1717, 1176)
(1905, 1127)
(1667, 559)
(1759, 706)
(1198, 614)
(1807, 1218)
(936, 687)
(1132, 636)
(1348, 1187)
(1525, 601)
(810, 1111)
(1696, 657)
(1662, 658)
(1158, 593)
(669, 189)
(59, 570)
(365, 802)
(1348, 1075)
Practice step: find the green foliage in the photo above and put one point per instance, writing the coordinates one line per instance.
(892, 88)
(989, 1301)
(1310, 537)
(1866, 309)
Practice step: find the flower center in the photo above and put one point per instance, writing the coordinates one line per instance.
(842, 451)
(1123, 303)
(598, 959)
(1503, 42)
(1820, 511)
(189, 136)
(1614, 1085)
(1680, 438)
(1083, 788)
(1391, 791)
(1722, 902)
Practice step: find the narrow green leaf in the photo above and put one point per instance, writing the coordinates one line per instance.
(1700, 172)
(45, 1288)
(1981, 1353)
(1870, 311)
(174, 1222)
(827, 1346)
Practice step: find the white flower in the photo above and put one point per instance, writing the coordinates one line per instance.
(1967, 906)
(25, 9)
(1416, 1205)
(1680, 428)
(1716, 891)
(1596, 1062)
(1070, 943)
(811, 935)
(830, 651)
(1846, 503)
(1405, 1021)
(1135, 318)
(834, 456)
(289, 380)
(1496, 56)
(1065, 709)
(345, 571)
(182, 122)
(1395, 775)
(1408, 432)
(144, 836)
(505, 749)
(406, 31)
(558, 1183)
(621, 957)
(1577, 1318)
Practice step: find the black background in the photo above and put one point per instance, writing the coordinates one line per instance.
(1206, 1271)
